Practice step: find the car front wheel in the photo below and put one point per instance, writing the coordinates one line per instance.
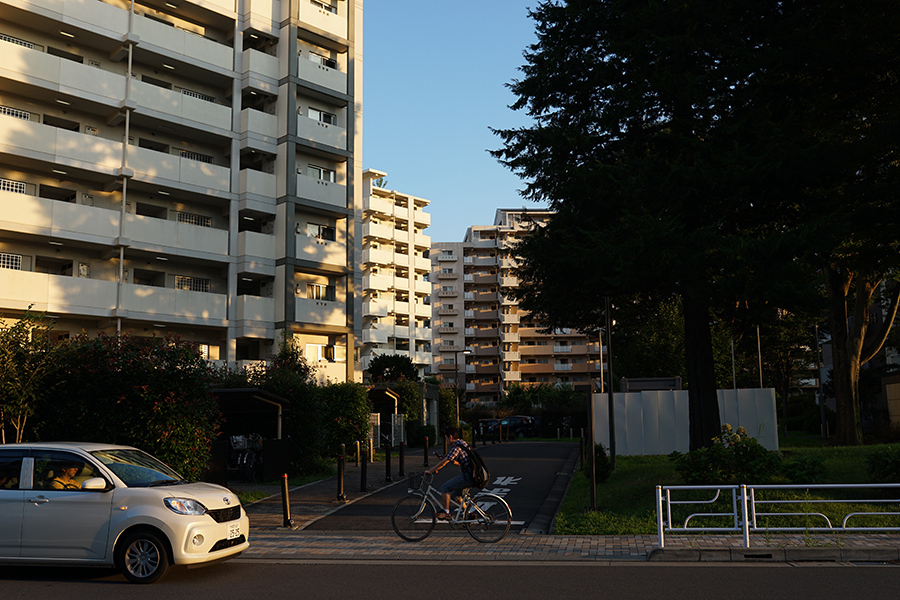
(142, 557)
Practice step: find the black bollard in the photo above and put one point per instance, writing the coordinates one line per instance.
(341, 496)
(401, 471)
(387, 464)
(364, 472)
(425, 453)
(286, 503)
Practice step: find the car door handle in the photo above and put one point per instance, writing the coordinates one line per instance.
(39, 500)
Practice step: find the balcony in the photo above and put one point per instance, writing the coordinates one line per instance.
(422, 287)
(376, 308)
(321, 133)
(512, 376)
(263, 15)
(375, 336)
(51, 72)
(323, 76)
(190, 48)
(160, 235)
(422, 310)
(176, 171)
(447, 294)
(178, 306)
(319, 190)
(45, 143)
(323, 252)
(259, 64)
(255, 308)
(377, 204)
(262, 185)
(40, 216)
(56, 293)
(259, 130)
(320, 312)
(261, 245)
(318, 18)
(377, 282)
(379, 231)
(509, 319)
(327, 371)
(510, 356)
(177, 106)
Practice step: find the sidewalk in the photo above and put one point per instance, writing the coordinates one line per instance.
(271, 541)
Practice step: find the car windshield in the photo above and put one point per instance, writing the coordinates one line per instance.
(136, 468)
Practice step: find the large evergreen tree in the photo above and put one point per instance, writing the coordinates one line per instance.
(696, 148)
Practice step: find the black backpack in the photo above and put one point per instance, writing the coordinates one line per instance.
(481, 476)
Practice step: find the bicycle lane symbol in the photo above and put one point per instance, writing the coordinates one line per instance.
(501, 489)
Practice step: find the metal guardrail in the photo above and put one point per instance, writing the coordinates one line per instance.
(746, 508)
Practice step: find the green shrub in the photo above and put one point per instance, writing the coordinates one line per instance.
(805, 469)
(883, 466)
(416, 433)
(602, 466)
(734, 457)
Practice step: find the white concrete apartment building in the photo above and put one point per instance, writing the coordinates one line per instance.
(483, 341)
(184, 167)
(395, 275)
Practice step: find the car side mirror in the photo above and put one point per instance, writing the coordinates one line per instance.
(94, 483)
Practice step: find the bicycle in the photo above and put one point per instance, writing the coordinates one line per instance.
(487, 516)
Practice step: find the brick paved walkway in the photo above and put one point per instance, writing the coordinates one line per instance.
(269, 540)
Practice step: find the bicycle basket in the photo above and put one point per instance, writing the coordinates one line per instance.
(417, 481)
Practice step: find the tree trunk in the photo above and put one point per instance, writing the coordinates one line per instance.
(703, 407)
(847, 337)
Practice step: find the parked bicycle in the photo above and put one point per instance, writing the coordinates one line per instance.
(486, 516)
(246, 456)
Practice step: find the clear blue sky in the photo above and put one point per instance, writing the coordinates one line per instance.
(434, 76)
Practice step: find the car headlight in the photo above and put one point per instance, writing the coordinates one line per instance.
(185, 506)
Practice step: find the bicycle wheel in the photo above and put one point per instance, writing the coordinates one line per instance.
(490, 522)
(413, 518)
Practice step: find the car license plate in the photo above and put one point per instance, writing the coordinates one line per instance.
(234, 530)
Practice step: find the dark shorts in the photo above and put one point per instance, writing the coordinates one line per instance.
(456, 485)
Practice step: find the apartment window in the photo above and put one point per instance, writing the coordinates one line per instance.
(448, 288)
(9, 111)
(324, 6)
(319, 291)
(192, 284)
(10, 261)
(323, 60)
(322, 232)
(17, 41)
(322, 117)
(192, 219)
(205, 158)
(320, 173)
(8, 185)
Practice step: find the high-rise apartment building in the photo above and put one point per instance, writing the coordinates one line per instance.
(184, 167)
(395, 275)
(484, 342)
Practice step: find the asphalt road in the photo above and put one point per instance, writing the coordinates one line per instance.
(243, 579)
(525, 474)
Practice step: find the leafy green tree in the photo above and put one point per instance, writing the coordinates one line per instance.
(517, 399)
(446, 409)
(713, 151)
(150, 393)
(392, 367)
(346, 414)
(27, 356)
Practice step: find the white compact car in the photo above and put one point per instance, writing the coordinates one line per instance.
(95, 504)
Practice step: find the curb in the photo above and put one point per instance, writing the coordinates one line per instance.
(774, 555)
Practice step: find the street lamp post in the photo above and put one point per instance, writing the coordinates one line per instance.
(456, 354)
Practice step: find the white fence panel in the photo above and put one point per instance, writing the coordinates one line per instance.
(657, 422)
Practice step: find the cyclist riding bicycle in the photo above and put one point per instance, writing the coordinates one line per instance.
(457, 454)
